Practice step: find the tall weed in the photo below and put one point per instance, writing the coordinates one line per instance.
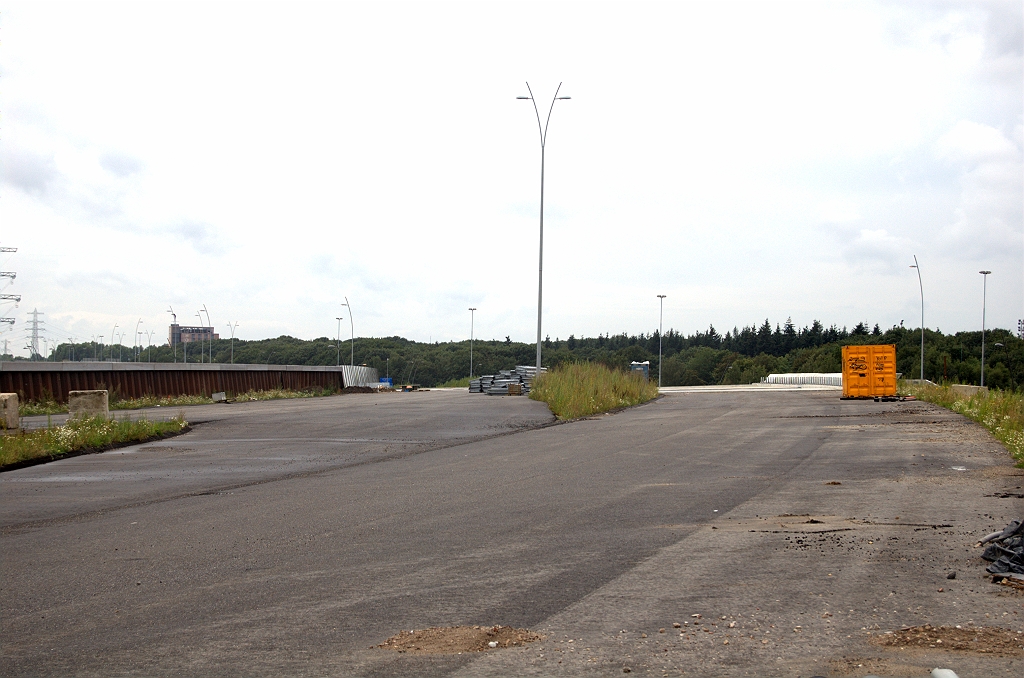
(95, 433)
(574, 390)
(1001, 412)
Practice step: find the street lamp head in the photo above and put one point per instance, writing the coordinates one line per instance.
(985, 272)
(565, 97)
(524, 97)
(471, 309)
(662, 296)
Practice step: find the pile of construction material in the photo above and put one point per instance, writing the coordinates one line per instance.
(1006, 552)
(506, 382)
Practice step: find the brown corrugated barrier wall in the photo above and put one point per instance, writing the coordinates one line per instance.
(39, 381)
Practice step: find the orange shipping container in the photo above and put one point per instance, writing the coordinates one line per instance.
(869, 371)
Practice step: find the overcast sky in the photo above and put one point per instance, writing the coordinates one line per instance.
(749, 160)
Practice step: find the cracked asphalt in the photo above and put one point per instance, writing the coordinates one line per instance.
(290, 537)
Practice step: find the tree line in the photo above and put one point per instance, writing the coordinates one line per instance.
(704, 357)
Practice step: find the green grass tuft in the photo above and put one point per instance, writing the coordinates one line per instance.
(1001, 412)
(574, 390)
(97, 433)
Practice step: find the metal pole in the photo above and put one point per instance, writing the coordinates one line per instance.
(661, 318)
(984, 293)
(210, 324)
(233, 328)
(921, 285)
(352, 327)
(112, 343)
(338, 342)
(472, 312)
(170, 339)
(540, 259)
(134, 355)
(202, 340)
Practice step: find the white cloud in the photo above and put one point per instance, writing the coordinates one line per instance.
(724, 154)
(972, 142)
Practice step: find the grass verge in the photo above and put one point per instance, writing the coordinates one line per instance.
(574, 390)
(1001, 412)
(81, 435)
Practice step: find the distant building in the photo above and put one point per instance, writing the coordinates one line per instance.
(184, 334)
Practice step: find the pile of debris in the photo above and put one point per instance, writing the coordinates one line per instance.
(1006, 552)
(506, 382)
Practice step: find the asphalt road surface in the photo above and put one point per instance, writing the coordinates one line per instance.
(290, 537)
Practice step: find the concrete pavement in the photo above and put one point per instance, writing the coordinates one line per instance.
(290, 541)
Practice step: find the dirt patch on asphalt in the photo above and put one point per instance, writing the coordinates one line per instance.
(988, 640)
(457, 639)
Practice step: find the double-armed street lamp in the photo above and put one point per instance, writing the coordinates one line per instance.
(136, 342)
(543, 143)
(921, 285)
(472, 312)
(112, 342)
(233, 328)
(984, 292)
(661, 318)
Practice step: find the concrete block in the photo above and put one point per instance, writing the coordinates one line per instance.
(968, 390)
(9, 411)
(88, 403)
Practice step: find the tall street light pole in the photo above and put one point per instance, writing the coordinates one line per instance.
(661, 318)
(352, 326)
(472, 312)
(112, 342)
(984, 292)
(210, 325)
(233, 328)
(540, 266)
(170, 339)
(921, 285)
(202, 340)
(135, 355)
(338, 342)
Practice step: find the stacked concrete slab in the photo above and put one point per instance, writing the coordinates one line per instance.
(506, 382)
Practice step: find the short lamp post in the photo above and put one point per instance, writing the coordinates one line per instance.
(984, 292)
(472, 312)
(661, 318)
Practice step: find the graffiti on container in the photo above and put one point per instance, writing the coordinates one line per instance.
(858, 364)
